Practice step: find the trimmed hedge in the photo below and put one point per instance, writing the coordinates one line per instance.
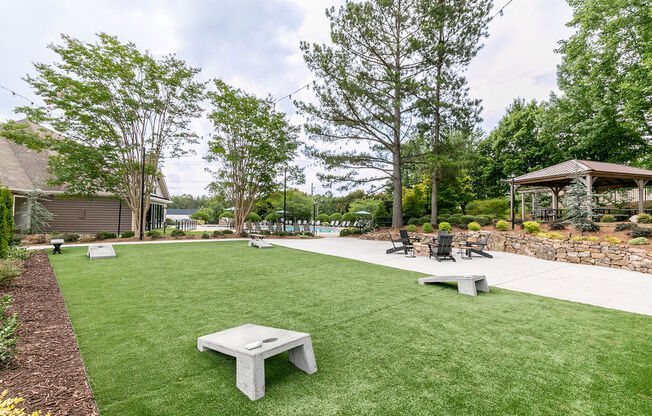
(532, 227)
(6, 222)
(444, 226)
(335, 217)
(427, 228)
(474, 226)
(502, 225)
(349, 216)
(411, 228)
(253, 217)
(127, 234)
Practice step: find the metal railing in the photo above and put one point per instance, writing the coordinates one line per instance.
(187, 225)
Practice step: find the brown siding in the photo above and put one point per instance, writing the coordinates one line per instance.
(87, 216)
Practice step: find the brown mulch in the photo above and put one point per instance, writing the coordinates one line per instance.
(48, 372)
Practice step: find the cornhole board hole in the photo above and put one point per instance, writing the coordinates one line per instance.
(251, 345)
(100, 251)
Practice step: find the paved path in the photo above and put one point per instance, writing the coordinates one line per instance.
(601, 286)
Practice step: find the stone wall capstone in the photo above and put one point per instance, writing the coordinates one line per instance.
(599, 253)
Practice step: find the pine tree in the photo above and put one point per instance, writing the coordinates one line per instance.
(39, 216)
(578, 205)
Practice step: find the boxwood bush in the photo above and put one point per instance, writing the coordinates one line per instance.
(157, 234)
(127, 234)
(466, 219)
(344, 232)
(455, 219)
(413, 221)
(323, 217)
(443, 218)
(444, 226)
(335, 217)
(427, 228)
(502, 225)
(474, 226)
(176, 233)
(483, 219)
(423, 220)
(411, 228)
(532, 227)
(640, 241)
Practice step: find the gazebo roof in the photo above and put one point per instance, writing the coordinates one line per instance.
(607, 175)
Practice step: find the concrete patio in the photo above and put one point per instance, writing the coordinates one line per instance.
(594, 285)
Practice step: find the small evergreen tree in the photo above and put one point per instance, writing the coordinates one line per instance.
(39, 216)
(6, 222)
(578, 205)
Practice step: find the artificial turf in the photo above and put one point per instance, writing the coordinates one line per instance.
(383, 344)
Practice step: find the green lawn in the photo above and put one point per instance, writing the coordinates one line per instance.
(383, 343)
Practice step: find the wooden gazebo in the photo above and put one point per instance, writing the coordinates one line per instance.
(597, 176)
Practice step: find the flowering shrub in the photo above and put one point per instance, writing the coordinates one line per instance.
(8, 406)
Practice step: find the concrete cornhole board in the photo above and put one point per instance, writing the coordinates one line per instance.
(100, 251)
(258, 240)
(251, 345)
(467, 285)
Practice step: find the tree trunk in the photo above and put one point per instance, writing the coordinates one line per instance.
(397, 205)
(435, 144)
(433, 199)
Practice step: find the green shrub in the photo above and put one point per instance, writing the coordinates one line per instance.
(323, 217)
(127, 234)
(254, 217)
(427, 228)
(70, 237)
(225, 214)
(444, 226)
(411, 228)
(8, 326)
(245, 234)
(607, 218)
(484, 219)
(227, 232)
(217, 233)
(170, 221)
(413, 221)
(6, 221)
(335, 217)
(557, 225)
(532, 227)
(474, 226)
(19, 253)
(587, 226)
(502, 225)
(496, 207)
(466, 219)
(644, 219)
(349, 216)
(625, 226)
(344, 232)
(462, 226)
(455, 219)
(10, 269)
(103, 235)
(640, 232)
(156, 234)
(177, 233)
(443, 218)
(356, 231)
(423, 220)
(205, 235)
(640, 241)
(271, 217)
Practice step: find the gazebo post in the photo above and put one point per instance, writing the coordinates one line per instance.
(555, 201)
(641, 195)
(511, 199)
(522, 206)
(589, 194)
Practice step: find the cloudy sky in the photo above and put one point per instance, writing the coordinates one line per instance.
(254, 45)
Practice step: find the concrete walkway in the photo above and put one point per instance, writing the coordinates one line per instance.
(594, 285)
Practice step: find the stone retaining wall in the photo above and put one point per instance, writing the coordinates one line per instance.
(585, 252)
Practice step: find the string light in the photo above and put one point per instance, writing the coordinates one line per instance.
(15, 94)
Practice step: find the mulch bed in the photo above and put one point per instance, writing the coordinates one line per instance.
(48, 372)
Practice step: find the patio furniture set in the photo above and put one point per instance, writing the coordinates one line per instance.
(439, 247)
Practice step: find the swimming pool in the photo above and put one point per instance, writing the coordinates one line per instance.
(318, 229)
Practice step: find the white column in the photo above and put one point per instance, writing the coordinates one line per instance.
(589, 193)
(641, 195)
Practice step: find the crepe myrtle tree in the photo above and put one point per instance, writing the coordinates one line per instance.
(110, 102)
(252, 144)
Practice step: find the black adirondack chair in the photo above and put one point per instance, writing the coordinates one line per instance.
(404, 242)
(478, 247)
(443, 249)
